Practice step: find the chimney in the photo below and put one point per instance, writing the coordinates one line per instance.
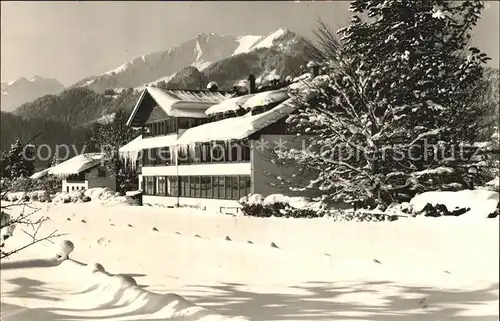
(251, 84)
(314, 68)
(212, 86)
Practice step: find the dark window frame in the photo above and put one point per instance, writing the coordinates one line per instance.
(161, 185)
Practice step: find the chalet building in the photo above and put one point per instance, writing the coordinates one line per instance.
(83, 172)
(210, 148)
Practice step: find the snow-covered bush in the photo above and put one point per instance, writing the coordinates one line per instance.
(275, 205)
(438, 210)
(71, 197)
(361, 216)
(470, 203)
(276, 198)
(102, 194)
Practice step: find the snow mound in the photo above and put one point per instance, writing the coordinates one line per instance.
(494, 183)
(70, 197)
(101, 194)
(256, 199)
(32, 195)
(481, 202)
(103, 292)
(276, 198)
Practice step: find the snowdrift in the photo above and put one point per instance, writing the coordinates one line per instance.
(97, 295)
(481, 202)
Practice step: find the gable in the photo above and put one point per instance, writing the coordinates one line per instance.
(142, 110)
(157, 114)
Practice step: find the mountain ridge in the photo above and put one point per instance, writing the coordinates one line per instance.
(25, 89)
(201, 51)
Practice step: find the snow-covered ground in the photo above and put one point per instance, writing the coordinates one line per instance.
(411, 269)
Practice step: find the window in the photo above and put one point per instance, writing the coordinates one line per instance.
(101, 172)
(215, 187)
(206, 186)
(182, 155)
(184, 189)
(228, 187)
(221, 186)
(173, 188)
(227, 154)
(206, 154)
(234, 152)
(217, 152)
(161, 183)
(164, 156)
(244, 186)
(197, 184)
(80, 177)
(146, 130)
(234, 188)
(149, 185)
(146, 157)
(197, 154)
(245, 151)
(192, 186)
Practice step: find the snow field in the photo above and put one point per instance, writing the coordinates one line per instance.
(410, 269)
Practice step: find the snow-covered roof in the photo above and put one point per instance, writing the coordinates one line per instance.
(139, 143)
(130, 152)
(77, 164)
(175, 103)
(249, 101)
(266, 98)
(40, 174)
(236, 127)
(228, 105)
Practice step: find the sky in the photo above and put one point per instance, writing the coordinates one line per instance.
(69, 41)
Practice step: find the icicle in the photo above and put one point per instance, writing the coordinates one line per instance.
(130, 157)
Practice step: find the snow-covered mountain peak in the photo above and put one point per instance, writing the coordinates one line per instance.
(201, 51)
(25, 89)
(33, 78)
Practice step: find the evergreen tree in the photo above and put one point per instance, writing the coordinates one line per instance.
(18, 161)
(398, 100)
(108, 138)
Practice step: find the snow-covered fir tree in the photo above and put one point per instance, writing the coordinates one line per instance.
(399, 100)
(18, 161)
